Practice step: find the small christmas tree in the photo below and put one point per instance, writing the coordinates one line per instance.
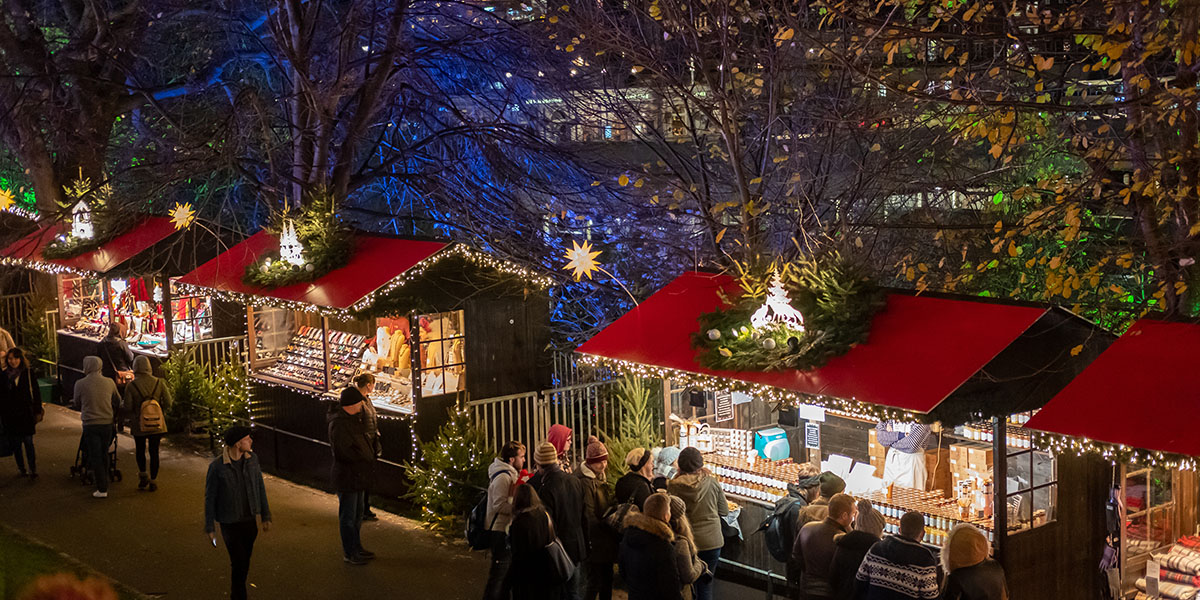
(639, 426)
(455, 467)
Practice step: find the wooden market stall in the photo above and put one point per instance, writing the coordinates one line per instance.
(434, 321)
(1136, 407)
(973, 367)
(128, 282)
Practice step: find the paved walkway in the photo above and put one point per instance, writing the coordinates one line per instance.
(155, 542)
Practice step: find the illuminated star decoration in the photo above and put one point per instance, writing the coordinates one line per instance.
(582, 261)
(182, 215)
(777, 308)
(6, 199)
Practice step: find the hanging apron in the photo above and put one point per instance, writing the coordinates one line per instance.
(904, 469)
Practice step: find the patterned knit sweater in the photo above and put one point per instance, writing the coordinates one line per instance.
(897, 569)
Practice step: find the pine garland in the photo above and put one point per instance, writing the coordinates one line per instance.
(327, 242)
(448, 484)
(836, 295)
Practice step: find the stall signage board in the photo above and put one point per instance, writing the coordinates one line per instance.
(812, 436)
(1152, 573)
(724, 400)
(809, 412)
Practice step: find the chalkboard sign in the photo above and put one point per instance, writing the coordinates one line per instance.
(724, 400)
(812, 436)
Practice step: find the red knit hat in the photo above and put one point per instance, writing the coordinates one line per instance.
(595, 452)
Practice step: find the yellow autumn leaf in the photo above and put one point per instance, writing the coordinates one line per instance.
(623, 180)
(996, 150)
(1013, 250)
(553, 19)
(875, 147)
(725, 352)
(1076, 350)
(720, 234)
(785, 34)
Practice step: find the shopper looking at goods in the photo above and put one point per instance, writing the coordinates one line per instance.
(829, 485)
(812, 555)
(562, 495)
(503, 477)
(98, 402)
(559, 436)
(852, 547)
(970, 574)
(665, 467)
(20, 410)
(706, 506)
(117, 357)
(363, 386)
(780, 527)
(598, 568)
(647, 554)
(634, 486)
(236, 497)
(899, 567)
(353, 469)
(687, 562)
(531, 574)
(146, 402)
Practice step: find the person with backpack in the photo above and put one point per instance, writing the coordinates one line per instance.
(780, 526)
(602, 555)
(503, 477)
(147, 399)
(236, 498)
(562, 495)
(99, 402)
(20, 410)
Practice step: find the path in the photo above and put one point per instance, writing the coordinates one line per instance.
(155, 542)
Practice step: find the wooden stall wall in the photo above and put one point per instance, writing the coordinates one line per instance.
(506, 345)
(1060, 560)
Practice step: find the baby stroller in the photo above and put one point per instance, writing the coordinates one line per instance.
(84, 471)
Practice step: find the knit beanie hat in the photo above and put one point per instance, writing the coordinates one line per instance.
(634, 459)
(678, 507)
(831, 484)
(545, 454)
(664, 461)
(235, 434)
(595, 451)
(869, 519)
(690, 460)
(965, 546)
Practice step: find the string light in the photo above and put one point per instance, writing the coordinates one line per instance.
(1113, 453)
(47, 267)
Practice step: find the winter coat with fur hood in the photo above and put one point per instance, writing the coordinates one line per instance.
(647, 559)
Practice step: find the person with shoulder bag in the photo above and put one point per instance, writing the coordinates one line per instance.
(146, 402)
(20, 410)
(532, 574)
(117, 357)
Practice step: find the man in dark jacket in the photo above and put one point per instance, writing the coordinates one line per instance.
(562, 495)
(813, 552)
(899, 567)
(635, 486)
(602, 554)
(853, 547)
(235, 497)
(353, 465)
(647, 557)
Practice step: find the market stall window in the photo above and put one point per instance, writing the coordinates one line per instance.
(443, 366)
(1149, 510)
(83, 307)
(191, 317)
(1032, 488)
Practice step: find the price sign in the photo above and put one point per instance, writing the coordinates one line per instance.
(812, 436)
(1152, 573)
(724, 400)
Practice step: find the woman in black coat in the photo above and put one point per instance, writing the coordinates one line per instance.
(530, 575)
(20, 407)
(117, 356)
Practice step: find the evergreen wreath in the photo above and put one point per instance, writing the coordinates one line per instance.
(836, 295)
(107, 223)
(327, 242)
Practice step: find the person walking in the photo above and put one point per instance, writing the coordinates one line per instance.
(364, 386)
(647, 554)
(899, 567)
(99, 402)
(852, 547)
(236, 498)
(562, 496)
(635, 486)
(530, 532)
(503, 477)
(602, 554)
(687, 562)
(147, 400)
(20, 410)
(353, 469)
(815, 546)
(970, 574)
(706, 506)
(560, 436)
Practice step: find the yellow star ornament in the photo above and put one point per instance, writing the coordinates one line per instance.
(581, 260)
(6, 199)
(182, 215)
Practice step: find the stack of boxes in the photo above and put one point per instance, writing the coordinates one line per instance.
(969, 460)
(877, 453)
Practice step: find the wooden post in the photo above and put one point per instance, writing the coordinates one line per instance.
(325, 349)
(668, 431)
(1000, 486)
(414, 355)
(168, 313)
(251, 339)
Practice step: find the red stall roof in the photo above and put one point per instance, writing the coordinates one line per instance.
(376, 261)
(1140, 392)
(28, 250)
(919, 351)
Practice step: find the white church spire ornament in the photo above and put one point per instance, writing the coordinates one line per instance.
(777, 308)
(290, 249)
(81, 221)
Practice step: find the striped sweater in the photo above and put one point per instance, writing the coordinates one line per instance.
(897, 569)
